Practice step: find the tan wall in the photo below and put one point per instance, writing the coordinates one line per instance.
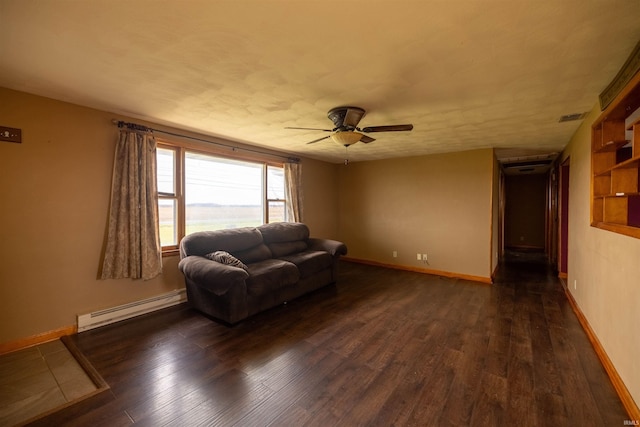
(320, 189)
(54, 190)
(439, 205)
(604, 267)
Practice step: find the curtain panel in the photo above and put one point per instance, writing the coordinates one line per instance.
(133, 243)
(293, 191)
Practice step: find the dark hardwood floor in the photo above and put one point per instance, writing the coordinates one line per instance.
(383, 347)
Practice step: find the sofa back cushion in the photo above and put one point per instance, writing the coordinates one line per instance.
(256, 253)
(234, 240)
(278, 232)
(285, 238)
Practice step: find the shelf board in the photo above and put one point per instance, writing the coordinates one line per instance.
(603, 196)
(634, 123)
(611, 146)
(633, 162)
(618, 228)
(604, 172)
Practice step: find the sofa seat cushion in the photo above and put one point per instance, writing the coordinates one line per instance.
(270, 275)
(310, 262)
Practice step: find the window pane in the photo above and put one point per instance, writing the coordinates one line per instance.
(275, 183)
(222, 193)
(166, 170)
(168, 226)
(276, 211)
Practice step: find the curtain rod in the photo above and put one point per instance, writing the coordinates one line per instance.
(142, 128)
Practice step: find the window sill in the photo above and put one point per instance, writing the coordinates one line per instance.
(170, 252)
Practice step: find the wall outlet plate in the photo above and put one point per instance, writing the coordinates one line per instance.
(8, 134)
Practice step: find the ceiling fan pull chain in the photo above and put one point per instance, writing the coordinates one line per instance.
(346, 155)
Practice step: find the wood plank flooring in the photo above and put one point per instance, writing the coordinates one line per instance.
(383, 347)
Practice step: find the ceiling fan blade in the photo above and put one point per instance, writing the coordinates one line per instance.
(323, 130)
(392, 128)
(319, 139)
(366, 139)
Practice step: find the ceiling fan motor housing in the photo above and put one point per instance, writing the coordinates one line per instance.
(346, 118)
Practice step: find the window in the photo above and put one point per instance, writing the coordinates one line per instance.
(276, 207)
(168, 196)
(202, 191)
(222, 193)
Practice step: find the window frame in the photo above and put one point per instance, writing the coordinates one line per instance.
(178, 195)
(181, 149)
(268, 200)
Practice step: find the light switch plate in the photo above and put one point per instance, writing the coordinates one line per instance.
(8, 134)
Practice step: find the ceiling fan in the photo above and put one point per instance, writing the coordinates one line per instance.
(346, 131)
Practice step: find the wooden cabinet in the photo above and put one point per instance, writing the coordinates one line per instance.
(615, 162)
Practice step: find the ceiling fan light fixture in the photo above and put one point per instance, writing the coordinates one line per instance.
(346, 138)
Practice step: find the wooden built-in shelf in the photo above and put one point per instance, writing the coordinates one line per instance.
(615, 164)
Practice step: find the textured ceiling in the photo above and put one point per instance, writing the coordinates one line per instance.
(467, 73)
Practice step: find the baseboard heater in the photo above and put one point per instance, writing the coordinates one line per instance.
(132, 309)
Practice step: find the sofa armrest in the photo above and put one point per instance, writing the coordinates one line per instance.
(334, 247)
(213, 275)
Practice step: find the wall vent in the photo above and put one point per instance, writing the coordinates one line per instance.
(572, 117)
(127, 311)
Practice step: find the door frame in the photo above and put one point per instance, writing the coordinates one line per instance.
(563, 219)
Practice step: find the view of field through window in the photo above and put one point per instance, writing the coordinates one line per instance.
(219, 193)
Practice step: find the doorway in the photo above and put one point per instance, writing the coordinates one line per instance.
(525, 219)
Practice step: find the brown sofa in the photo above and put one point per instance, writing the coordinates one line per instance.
(235, 273)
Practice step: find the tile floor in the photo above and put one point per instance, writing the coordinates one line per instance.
(38, 379)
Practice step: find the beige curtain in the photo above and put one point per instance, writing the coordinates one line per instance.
(293, 191)
(133, 243)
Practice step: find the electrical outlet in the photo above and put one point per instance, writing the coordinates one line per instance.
(419, 257)
(424, 257)
(10, 134)
(395, 254)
